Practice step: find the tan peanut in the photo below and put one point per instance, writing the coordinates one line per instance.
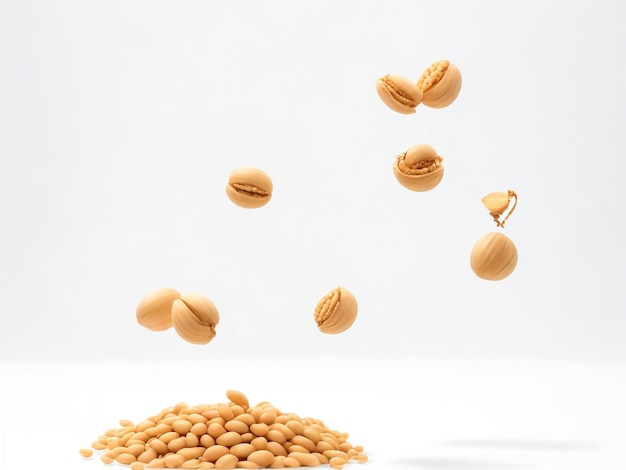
(263, 458)
(238, 398)
(440, 84)
(154, 310)
(493, 257)
(227, 461)
(207, 436)
(419, 168)
(194, 318)
(399, 94)
(335, 312)
(249, 187)
(86, 453)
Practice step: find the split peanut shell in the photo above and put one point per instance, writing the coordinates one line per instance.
(493, 257)
(194, 318)
(154, 310)
(440, 84)
(336, 311)
(399, 93)
(496, 203)
(419, 168)
(249, 187)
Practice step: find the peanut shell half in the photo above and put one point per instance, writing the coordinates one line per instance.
(154, 310)
(399, 93)
(336, 311)
(194, 318)
(419, 168)
(440, 83)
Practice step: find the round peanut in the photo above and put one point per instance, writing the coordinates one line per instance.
(213, 453)
(227, 461)
(226, 412)
(215, 430)
(236, 426)
(305, 460)
(276, 449)
(249, 187)
(276, 436)
(239, 398)
(207, 441)
(191, 453)
(157, 463)
(291, 462)
(181, 426)
(337, 462)
(174, 461)
(304, 442)
(260, 443)
(126, 458)
(278, 462)
(246, 418)
(176, 444)
(137, 465)
(247, 464)
(229, 439)
(86, 452)
(147, 455)
(199, 429)
(288, 433)
(263, 458)
(296, 426)
(193, 463)
(243, 450)
(159, 447)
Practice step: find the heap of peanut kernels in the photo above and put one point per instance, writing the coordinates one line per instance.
(226, 435)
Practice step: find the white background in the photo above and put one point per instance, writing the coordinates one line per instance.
(121, 120)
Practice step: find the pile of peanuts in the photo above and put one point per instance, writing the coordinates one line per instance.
(225, 435)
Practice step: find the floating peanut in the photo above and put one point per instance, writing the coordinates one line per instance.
(399, 94)
(419, 168)
(154, 310)
(497, 203)
(249, 187)
(440, 84)
(335, 312)
(494, 257)
(195, 317)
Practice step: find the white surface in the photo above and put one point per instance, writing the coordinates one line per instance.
(121, 120)
(452, 415)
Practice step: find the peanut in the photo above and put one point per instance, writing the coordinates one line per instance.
(225, 435)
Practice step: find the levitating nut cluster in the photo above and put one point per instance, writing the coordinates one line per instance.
(419, 168)
(336, 311)
(437, 87)
(193, 316)
(494, 255)
(224, 436)
(249, 187)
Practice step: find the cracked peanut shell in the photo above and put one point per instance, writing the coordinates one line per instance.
(419, 168)
(154, 310)
(336, 311)
(399, 93)
(440, 84)
(194, 318)
(249, 187)
(493, 257)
